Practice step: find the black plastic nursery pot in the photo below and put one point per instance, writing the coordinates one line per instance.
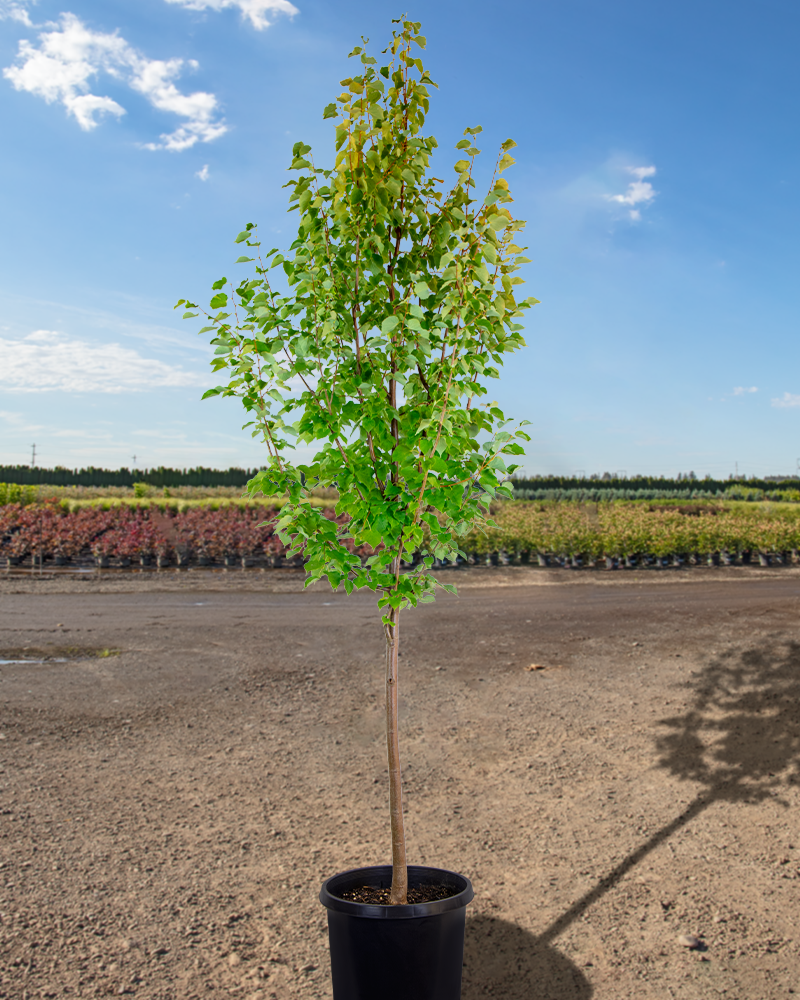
(408, 952)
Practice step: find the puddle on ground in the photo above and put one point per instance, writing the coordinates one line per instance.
(60, 659)
(21, 655)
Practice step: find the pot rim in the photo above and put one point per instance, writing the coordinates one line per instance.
(402, 911)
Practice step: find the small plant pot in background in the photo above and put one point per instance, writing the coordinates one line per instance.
(203, 561)
(713, 558)
(611, 563)
(162, 561)
(727, 558)
(144, 560)
(229, 560)
(763, 559)
(542, 559)
(396, 952)
(102, 562)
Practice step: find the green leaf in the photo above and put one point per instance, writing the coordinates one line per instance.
(506, 162)
(389, 324)
(219, 301)
(330, 110)
(421, 290)
(244, 260)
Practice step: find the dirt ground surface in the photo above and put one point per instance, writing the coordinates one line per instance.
(168, 811)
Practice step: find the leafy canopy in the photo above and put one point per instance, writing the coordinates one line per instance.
(400, 305)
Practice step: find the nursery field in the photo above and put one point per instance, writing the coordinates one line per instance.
(612, 758)
(159, 531)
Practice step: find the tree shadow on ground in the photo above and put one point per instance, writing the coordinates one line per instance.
(503, 960)
(739, 739)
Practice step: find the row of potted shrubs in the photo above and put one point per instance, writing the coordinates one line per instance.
(551, 535)
(126, 535)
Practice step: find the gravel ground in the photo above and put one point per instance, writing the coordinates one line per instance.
(169, 807)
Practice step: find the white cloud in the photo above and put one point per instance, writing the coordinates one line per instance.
(639, 191)
(786, 401)
(71, 55)
(18, 421)
(203, 173)
(46, 361)
(255, 10)
(740, 390)
(16, 10)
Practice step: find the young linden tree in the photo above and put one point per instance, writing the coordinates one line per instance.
(400, 305)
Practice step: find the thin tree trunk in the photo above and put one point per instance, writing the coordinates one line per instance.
(399, 871)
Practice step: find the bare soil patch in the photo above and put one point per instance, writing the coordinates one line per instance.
(168, 814)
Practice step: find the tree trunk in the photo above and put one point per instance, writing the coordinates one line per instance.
(399, 871)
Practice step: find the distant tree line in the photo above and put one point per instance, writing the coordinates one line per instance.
(655, 484)
(25, 475)
(568, 487)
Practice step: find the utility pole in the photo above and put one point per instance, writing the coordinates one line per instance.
(33, 457)
(134, 461)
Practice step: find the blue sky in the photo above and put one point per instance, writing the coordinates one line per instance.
(657, 167)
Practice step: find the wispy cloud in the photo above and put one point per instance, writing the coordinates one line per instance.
(255, 10)
(742, 390)
(639, 191)
(203, 173)
(16, 10)
(786, 401)
(119, 323)
(46, 361)
(71, 55)
(18, 421)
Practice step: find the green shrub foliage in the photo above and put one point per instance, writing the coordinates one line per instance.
(400, 307)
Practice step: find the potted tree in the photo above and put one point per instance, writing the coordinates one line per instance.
(396, 303)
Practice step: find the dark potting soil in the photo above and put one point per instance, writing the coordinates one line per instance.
(380, 897)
